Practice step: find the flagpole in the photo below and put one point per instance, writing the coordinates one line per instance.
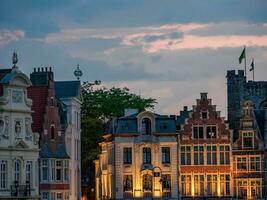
(245, 63)
(253, 69)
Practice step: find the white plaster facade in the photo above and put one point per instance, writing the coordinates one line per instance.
(140, 175)
(73, 141)
(18, 144)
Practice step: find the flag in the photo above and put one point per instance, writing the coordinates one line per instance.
(242, 56)
(252, 65)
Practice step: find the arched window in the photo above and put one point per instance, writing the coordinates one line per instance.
(146, 126)
(17, 171)
(52, 132)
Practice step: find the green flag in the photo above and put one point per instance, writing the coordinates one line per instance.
(242, 56)
(252, 65)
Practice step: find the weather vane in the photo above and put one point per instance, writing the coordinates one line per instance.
(78, 73)
(14, 59)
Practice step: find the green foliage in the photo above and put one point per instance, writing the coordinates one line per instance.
(105, 103)
(98, 106)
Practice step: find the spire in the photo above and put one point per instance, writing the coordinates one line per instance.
(78, 73)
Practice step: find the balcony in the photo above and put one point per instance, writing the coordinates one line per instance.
(20, 190)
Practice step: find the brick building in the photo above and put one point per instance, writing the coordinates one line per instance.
(204, 152)
(49, 119)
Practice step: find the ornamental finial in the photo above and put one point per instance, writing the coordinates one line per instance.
(78, 73)
(14, 59)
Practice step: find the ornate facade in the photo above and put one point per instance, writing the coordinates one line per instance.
(18, 143)
(138, 158)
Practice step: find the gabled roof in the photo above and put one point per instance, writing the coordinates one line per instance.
(67, 89)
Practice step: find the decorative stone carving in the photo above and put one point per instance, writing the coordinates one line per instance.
(36, 137)
(28, 130)
(18, 128)
(16, 96)
(6, 128)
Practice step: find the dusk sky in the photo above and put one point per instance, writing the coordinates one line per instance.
(168, 50)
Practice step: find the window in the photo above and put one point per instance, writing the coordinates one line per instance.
(59, 170)
(17, 171)
(166, 181)
(186, 185)
(212, 185)
(45, 195)
(242, 188)
(29, 172)
(147, 183)
(44, 170)
(146, 126)
(146, 155)
(242, 163)
(185, 155)
(66, 170)
(204, 115)
(165, 151)
(255, 163)
(211, 131)
(248, 140)
(224, 155)
(3, 174)
(225, 184)
(52, 132)
(198, 155)
(255, 188)
(53, 169)
(127, 155)
(211, 155)
(199, 185)
(51, 101)
(198, 132)
(127, 183)
(59, 196)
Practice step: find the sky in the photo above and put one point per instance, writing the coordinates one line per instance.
(170, 50)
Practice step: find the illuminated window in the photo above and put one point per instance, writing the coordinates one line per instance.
(255, 188)
(248, 141)
(127, 155)
(255, 163)
(211, 155)
(211, 131)
(198, 132)
(199, 185)
(165, 152)
(127, 183)
(166, 181)
(147, 183)
(242, 188)
(146, 126)
(198, 155)
(146, 155)
(242, 163)
(224, 155)
(59, 196)
(186, 185)
(212, 185)
(185, 155)
(225, 184)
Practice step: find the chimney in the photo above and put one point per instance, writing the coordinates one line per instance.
(203, 95)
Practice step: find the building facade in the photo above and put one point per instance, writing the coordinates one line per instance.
(19, 150)
(69, 93)
(49, 118)
(205, 153)
(138, 158)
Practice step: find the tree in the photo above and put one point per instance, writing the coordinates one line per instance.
(98, 106)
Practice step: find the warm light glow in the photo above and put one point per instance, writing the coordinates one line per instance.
(137, 193)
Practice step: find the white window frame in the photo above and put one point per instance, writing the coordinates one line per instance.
(29, 172)
(247, 135)
(3, 174)
(44, 166)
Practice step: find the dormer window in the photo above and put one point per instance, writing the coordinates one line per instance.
(248, 140)
(146, 126)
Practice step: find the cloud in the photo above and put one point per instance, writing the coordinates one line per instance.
(7, 36)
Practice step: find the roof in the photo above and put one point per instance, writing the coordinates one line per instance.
(128, 124)
(67, 89)
(60, 151)
(260, 120)
(4, 72)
